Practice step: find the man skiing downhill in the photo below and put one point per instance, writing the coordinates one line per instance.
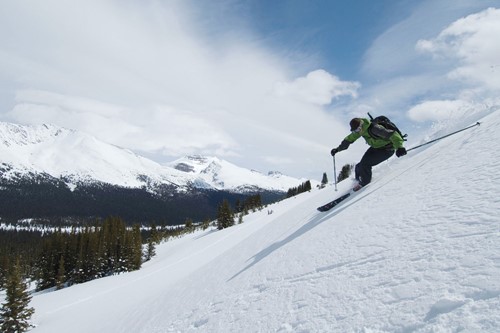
(382, 141)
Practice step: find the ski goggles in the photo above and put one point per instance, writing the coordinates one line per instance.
(357, 130)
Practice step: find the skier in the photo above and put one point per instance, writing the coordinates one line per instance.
(382, 141)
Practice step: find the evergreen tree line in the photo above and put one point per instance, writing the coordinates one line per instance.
(21, 244)
(304, 187)
(49, 199)
(58, 258)
(61, 259)
(226, 214)
(96, 251)
(251, 203)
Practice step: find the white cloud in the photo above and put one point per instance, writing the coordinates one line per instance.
(468, 50)
(460, 36)
(317, 87)
(472, 44)
(144, 75)
(439, 110)
(162, 129)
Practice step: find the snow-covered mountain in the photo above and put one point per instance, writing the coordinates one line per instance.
(80, 158)
(213, 172)
(415, 251)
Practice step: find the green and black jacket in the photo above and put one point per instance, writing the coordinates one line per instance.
(375, 135)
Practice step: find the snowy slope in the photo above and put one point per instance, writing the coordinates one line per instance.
(416, 251)
(79, 157)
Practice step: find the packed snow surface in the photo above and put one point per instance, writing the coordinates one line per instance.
(418, 250)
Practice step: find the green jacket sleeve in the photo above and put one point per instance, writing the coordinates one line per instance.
(352, 137)
(397, 140)
(348, 140)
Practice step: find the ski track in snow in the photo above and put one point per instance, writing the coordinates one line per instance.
(418, 250)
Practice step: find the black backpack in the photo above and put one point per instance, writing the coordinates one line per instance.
(387, 123)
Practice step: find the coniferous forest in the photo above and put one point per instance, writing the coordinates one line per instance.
(78, 254)
(46, 197)
(78, 251)
(57, 252)
(304, 187)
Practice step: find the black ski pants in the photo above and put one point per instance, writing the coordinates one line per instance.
(372, 157)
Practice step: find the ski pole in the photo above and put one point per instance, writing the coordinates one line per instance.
(334, 173)
(445, 136)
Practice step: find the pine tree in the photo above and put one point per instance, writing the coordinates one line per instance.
(225, 218)
(136, 248)
(15, 312)
(150, 250)
(4, 270)
(189, 225)
(206, 224)
(238, 206)
(324, 181)
(345, 172)
(304, 187)
(307, 186)
(61, 274)
(155, 236)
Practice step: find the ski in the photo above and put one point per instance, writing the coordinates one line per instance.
(333, 203)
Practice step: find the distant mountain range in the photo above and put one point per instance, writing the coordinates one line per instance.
(52, 172)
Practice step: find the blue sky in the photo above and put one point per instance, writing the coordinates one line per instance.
(268, 85)
(336, 32)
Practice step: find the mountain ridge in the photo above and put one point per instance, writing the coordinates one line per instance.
(51, 173)
(80, 157)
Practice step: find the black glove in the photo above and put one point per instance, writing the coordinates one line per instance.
(334, 151)
(400, 152)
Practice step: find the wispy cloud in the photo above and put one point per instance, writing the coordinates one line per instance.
(437, 63)
(469, 47)
(317, 87)
(144, 75)
(439, 110)
(472, 45)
